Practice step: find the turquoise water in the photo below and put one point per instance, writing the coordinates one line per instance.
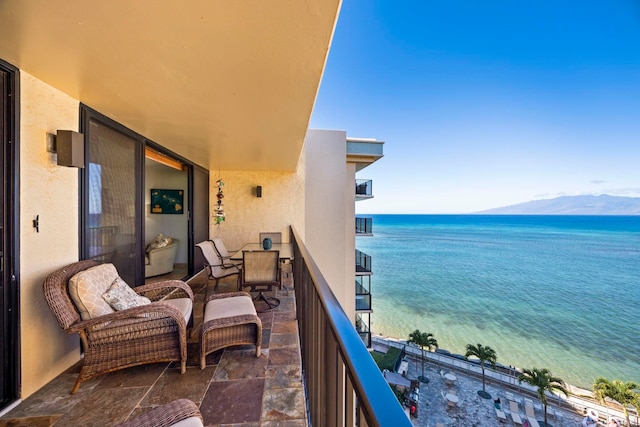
(557, 292)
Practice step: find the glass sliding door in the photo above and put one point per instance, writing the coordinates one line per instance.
(112, 193)
(9, 303)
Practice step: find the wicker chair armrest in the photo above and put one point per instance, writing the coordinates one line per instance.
(166, 415)
(165, 289)
(134, 314)
(211, 297)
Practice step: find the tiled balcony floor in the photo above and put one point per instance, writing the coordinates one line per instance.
(235, 389)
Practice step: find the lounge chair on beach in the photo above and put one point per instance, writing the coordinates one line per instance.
(531, 415)
(501, 416)
(515, 412)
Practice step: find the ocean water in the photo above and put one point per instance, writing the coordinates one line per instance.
(556, 292)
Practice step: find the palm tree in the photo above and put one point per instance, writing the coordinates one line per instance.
(423, 340)
(623, 393)
(484, 353)
(545, 382)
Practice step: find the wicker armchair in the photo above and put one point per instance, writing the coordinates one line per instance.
(182, 410)
(155, 332)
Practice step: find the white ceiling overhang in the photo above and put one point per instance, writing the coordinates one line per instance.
(228, 84)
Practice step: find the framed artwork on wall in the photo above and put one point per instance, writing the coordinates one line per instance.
(167, 201)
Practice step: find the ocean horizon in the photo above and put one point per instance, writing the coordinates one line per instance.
(547, 291)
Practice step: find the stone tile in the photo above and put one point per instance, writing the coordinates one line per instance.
(240, 364)
(105, 407)
(283, 341)
(44, 421)
(137, 376)
(172, 385)
(267, 319)
(266, 338)
(283, 404)
(288, 327)
(284, 356)
(53, 398)
(286, 376)
(284, 316)
(285, 423)
(230, 402)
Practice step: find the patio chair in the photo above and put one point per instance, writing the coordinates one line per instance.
(149, 324)
(261, 272)
(216, 268)
(223, 253)
(181, 412)
(276, 237)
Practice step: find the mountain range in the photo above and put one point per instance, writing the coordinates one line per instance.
(573, 205)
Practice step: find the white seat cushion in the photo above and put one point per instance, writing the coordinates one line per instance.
(183, 304)
(188, 422)
(86, 289)
(228, 307)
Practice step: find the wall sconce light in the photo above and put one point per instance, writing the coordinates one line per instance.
(70, 148)
(259, 191)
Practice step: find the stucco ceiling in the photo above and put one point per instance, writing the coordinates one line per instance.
(228, 84)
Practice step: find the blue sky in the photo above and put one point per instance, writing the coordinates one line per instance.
(487, 103)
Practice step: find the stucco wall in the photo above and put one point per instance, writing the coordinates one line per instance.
(329, 218)
(50, 191)
(281, 205)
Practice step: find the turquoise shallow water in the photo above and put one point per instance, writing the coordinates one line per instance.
(559, 292)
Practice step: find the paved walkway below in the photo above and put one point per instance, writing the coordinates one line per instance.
(472, 410)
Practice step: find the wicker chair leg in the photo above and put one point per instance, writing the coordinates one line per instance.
(76, 386)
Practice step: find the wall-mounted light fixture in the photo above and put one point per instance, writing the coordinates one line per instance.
(259, 191)
(70, 148)
(162, 159)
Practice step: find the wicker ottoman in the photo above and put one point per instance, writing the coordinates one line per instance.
(229, 319)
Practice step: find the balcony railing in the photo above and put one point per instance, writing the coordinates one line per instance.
(364, 188)
(343, 384)
(364, 226)
(363, 262)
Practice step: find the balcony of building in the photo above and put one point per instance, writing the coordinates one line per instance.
(313, 369)
(363, 151)
(364, 189)
(363, 263)
(363, 327)
(364, 226)
(363, 293)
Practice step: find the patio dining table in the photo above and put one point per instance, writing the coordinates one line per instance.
(285, 249)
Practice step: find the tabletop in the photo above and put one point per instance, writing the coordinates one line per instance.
(450, 377)
(452, 397)
(286, 250)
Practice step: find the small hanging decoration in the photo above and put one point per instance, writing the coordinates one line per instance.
(219, 213)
